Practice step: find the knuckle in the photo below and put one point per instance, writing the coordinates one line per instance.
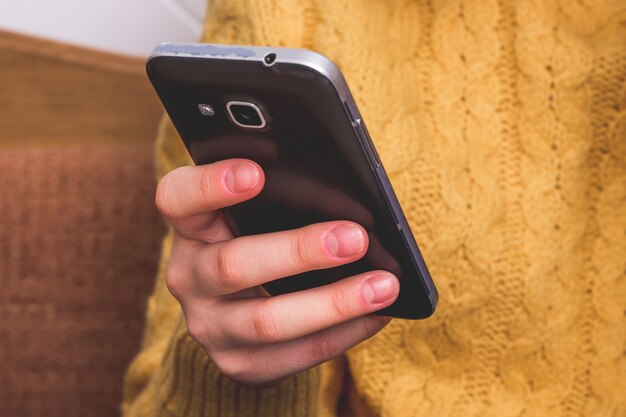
(197, 330)
(206, 185)
(232, 365)
(226, 266)
(174, 280)
(264, 324)
(323, 348)
(300, 247)
(338, 304)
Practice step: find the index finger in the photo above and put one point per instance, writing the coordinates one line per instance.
(188, 197)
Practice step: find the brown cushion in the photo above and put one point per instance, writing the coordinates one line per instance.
(79, 234)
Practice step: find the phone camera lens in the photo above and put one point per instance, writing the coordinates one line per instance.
(246, 115)
(269, 59)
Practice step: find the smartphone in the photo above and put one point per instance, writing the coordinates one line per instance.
(290, 110)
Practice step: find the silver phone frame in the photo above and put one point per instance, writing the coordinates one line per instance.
(330, 71)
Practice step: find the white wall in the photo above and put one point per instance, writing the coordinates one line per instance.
(132, 27)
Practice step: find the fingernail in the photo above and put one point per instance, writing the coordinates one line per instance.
(241, 177)
(344, 240)
(380, 288)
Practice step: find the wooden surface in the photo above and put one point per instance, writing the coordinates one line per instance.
(79, 233)
(52, 93)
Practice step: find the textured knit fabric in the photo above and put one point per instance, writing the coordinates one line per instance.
(502, 125)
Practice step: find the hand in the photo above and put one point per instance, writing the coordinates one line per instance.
(252, 338)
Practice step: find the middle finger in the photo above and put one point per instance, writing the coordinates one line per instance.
(234, 265)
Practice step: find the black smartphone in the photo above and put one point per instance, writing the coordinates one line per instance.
(290, 110)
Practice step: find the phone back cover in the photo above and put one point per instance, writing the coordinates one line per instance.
(315, 167)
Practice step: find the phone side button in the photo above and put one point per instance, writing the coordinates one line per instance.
(365, 137)
(352, 111)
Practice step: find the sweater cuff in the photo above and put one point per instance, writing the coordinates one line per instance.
(192, 385)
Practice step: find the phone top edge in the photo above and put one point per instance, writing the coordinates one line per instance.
(298, 56)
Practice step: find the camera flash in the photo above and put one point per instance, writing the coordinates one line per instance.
(206, 110)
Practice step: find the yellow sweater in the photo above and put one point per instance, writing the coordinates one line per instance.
(502, 124)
